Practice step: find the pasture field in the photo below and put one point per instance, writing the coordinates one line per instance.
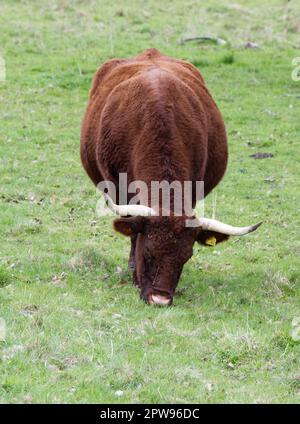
(76, 331)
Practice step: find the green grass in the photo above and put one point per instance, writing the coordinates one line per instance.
(76, 329)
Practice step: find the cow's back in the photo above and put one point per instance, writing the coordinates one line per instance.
(153, 118)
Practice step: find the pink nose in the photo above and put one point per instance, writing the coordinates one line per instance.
(157, 299)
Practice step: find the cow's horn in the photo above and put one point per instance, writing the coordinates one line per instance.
(217, 226)
(133, 210)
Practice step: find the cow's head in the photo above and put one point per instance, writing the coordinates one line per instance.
(164, 244)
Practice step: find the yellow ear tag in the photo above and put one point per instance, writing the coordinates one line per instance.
(211, 241)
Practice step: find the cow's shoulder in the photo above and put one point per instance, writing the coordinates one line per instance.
(154, 56)
(104, 71)
(149, 54)
(190, 68)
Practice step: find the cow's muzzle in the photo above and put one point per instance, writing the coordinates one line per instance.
(156, 297)
(160, 300)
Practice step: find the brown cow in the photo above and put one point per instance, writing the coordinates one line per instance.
(153, 118)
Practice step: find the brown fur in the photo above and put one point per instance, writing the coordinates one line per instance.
(152, 117)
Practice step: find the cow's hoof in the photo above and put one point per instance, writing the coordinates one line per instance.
(131, 265)
(157, 299)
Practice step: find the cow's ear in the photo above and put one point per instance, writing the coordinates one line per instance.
(130, 226)
(210, 238)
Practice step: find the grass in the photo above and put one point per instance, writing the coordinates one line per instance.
(76, 329)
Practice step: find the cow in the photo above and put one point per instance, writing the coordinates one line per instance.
(152, 118)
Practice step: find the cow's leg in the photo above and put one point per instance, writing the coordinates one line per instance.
(131, 260)
(135, 279)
